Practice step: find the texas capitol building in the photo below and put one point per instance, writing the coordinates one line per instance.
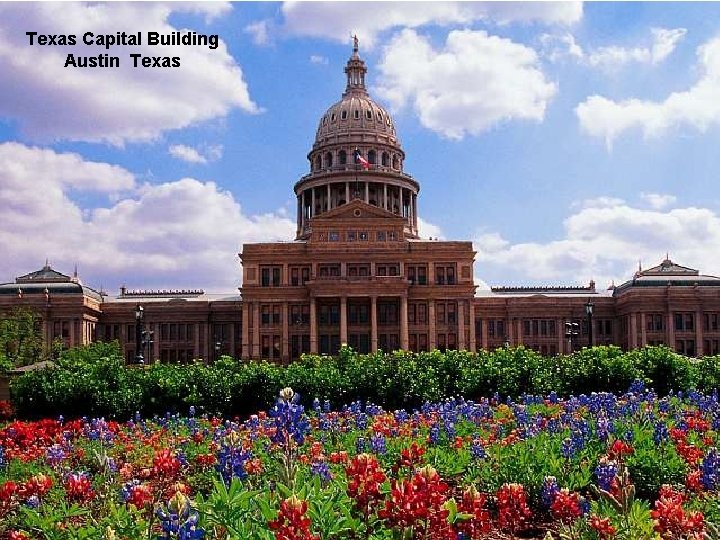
(358, 273)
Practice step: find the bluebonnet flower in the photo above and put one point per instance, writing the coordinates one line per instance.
(660, 433)
(55, 454)
(360, 445)
(584, 506)
(3, 461)
(637, 387)
(477, 449)
(126, 490)
(434, 435)
(316, 405)
(231, 462)
(549, 489)
(178, 520)
(605, 473)
(291, 424)
(326, 406)
(32, 502)
(567, 450)
(711, 470)
(322, 470)
(629, 435)
(377, 444)
(192, 411)
(450, 430)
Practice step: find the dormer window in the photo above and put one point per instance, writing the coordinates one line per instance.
(368, 114)
(333, 117)
(357, 114)
(343, 115)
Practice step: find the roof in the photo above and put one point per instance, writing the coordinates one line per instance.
(668, 273)
(50, 280)
(169, 296)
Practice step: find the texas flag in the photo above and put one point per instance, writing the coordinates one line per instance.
(360, 159)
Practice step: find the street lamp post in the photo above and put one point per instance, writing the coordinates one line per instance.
(589, 311)
(139, 330)
(218, 346)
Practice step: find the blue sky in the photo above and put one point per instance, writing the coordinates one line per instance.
(568, 141)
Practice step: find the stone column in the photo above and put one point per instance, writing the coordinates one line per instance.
(518, 332)
(373, 324)
(313, 326)
(156, 340)
(196, 329)
(633, 331)
(699, 322)
(312, 202)
(473, 343)
(299, 213)
(343, 320)
(367, 192)
(285, 353)
(508, 332)
(72, 332)
(404, 338)
(245, 351)
(670, 330)
(431, 273)
(329, 198)
(643, 330)
(347, 192)
(385, 204)
(484, 333)
(560, 327)
(461, 325)
(432, 338)
(256, 330)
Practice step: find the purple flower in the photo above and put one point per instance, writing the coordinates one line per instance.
(711, 470)
(377, 444)
(549, 489)
(322, 470)
(291, 424)
(660, 433)
(605, 473)
(477, 450)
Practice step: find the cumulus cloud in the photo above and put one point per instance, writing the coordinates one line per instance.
(698, 107)
(604, 243)
(184, 233)
(260, 32)
(193, 155)
(658, 201)
(429, 230)
(664, 41)
(473, 83)
(114, 105)
(339, 20)
(318, 59)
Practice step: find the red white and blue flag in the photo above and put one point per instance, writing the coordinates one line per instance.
(361, 160)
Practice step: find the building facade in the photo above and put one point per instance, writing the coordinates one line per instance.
(357, 272)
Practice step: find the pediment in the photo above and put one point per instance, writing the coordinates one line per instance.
(356, 209)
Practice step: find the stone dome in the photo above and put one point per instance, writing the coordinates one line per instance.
(356, 114)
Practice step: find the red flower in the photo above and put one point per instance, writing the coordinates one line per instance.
(78, 487)
(165, 464)
(473, 503)
(410, 457)
(619, 449)
(671, 520)
(693, 481)
(364, 478)
(566, 506)
(140, 496)
(18, 535)
(38, 485)
(291, 522)
(513, 510)
(602, 527)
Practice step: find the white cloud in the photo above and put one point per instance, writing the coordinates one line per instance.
(604, 243)
(557, 47)
(317, 59)
(193, 155)
(599, 202)
(429, 230)
(260, 32)
(184, 233)
(658, 201)
(697, 107)
(339, 20)
(475, 82)
(664, 42)
(115, 105)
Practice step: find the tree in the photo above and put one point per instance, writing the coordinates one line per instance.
(21, 341)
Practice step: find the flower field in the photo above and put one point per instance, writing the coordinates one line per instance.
(631, 466)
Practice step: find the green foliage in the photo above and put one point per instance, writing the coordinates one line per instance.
(21, 341)
(94, 381)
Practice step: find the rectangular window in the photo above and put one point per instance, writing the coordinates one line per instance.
(351, 236)
(334, 236)
(526, 327)
(265, 314)
(380, 236)
(422, 313)
(451, 313)
(276, 314)
(440, 314)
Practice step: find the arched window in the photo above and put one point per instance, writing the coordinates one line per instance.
(372, 157)
(396, 162)
(342, 157)
(385, 159)
(328, 160)
(368, 114)
(343, 115)
(357, 114)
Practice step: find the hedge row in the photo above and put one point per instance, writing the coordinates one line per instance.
(93, 380)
